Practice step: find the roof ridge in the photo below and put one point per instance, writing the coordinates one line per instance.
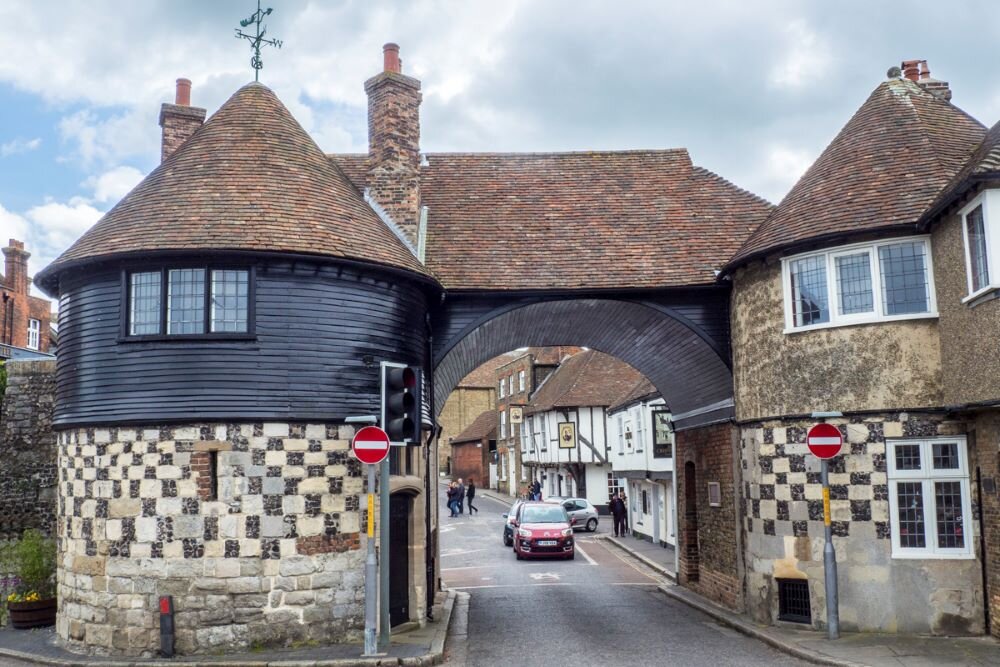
(628, 151)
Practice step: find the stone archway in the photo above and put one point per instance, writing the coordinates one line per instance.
(685, 364)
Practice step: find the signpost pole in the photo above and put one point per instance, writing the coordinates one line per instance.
(383, 561)
(829, 561)
(371, 574)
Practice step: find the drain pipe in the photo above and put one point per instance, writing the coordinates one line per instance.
(430, 544)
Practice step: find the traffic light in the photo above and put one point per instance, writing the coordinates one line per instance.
(401, 409)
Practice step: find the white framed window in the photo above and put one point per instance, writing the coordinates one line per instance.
(503, 387)
(640, 430)
(510, 383)
(34, 334)
(520, 380)
(524, 437)
(714, 494)
(503, 424)
(614, 485)
(982, 244)
(545, 432)
(621, 433)
(859, 283)
(930, 509)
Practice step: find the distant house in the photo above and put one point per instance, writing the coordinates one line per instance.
(565, 447)
(474, 395)
(641, 443)
(24, 319)
(474, 449)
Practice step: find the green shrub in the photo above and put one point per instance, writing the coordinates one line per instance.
(33, 560)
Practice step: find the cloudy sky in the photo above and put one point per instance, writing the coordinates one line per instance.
(754, 90)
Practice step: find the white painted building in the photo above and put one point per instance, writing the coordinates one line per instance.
(641, 456)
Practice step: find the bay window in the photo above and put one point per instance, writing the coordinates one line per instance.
(982, 244)
(860, 283)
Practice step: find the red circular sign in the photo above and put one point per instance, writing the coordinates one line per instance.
(824, 441)
(371, 445)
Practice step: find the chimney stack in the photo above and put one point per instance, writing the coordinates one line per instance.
(15, 260)
(920, 73)
(179, 120)
(394, 142)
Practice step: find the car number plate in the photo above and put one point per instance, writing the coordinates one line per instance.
(547, 543)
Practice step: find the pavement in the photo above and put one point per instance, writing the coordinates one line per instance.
(807, 646)
(416, 647)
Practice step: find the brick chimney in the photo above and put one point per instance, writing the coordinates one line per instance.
(179, 120)
(918, 72)
(394, 142)
(15, 260)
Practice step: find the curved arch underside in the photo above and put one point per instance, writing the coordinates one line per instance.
(683, 367)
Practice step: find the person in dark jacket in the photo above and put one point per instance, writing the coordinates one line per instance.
(618, 513)
(452, 500)
(460, 496)
(536, 490)
(470, 493)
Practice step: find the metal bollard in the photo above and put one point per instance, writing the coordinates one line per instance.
(167, 626)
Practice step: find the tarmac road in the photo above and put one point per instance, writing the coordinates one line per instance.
(603, 608)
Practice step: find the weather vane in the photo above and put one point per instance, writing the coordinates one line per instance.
(256, 40)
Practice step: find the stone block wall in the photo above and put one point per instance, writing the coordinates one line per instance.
(28, 449)
(268, 553)
(783, 522)
(710, 558)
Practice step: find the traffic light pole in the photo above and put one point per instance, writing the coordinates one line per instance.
(384, 632)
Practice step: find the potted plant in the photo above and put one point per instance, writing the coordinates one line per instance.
(32, 559)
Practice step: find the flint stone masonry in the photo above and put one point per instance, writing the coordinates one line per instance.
(28, 449)
(138, 521)
(784, 538)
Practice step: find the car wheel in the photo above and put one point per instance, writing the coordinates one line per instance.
(591, 525)
(507, 542)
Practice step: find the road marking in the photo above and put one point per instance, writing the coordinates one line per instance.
(549, 583)
(537, 576)
(585, 554)
(446, 529)
(461, 553)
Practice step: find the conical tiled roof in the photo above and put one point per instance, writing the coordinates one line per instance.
(881, 172)
(250, 179)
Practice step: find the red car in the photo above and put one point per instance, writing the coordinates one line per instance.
(543, 529)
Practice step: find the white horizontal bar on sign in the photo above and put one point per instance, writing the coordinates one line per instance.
(825, 441)
(371, 444)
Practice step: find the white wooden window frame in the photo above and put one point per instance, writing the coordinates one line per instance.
(503, 425)
(520, 381)
(34, 334)
(503, 387)
(927, 475)
(838, 320)
(714, 494)
(510, 384)
(988, 200)
(621, 434)
(640, 430)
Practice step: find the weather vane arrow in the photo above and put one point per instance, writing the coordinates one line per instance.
(257, 19)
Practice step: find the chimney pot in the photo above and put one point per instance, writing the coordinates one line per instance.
(183, 96)
(390, 54)
(911, 69)
(925, 71)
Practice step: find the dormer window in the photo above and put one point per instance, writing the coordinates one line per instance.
(188, 301)
(858, 284)
(982, 245)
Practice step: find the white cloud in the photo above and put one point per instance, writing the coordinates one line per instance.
(12, 226)
(16, 146)
(114, 184)
(783, 166)
(805, 59)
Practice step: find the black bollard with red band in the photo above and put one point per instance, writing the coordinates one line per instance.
(167, 626)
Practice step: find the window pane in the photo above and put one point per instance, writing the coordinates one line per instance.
(907, 457)
(230, 290)
(904, 278)
(854, 284)
(144, 303)
(809, 295)
(946, 456)
(948, 500)
(910, 499)
(186, 301)
(976, 232)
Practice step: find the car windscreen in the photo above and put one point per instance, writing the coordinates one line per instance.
(537, 514)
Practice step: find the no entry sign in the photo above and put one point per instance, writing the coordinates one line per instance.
(371, 445)
(824, 441)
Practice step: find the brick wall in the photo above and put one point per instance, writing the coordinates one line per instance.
(709, 544)
(468, 460)
(17, 306)
(984, 456)
(27, 449)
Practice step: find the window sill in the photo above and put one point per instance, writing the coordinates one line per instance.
(983, 295)
(932, 556)
(851, 323)
(161, 338)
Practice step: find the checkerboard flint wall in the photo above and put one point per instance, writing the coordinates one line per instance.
(265, 551)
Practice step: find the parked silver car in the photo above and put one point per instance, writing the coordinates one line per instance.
(580, 509)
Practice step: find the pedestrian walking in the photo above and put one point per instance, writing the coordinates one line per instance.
(460, 496)
(536, 490)
(452, 500)
(618, 511)
(625, 515)
(470, 494)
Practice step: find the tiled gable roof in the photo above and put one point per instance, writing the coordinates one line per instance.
(484, 376)
(983, 165)
(882, 171)
(484, 426)
(249, 179)
(588, 379)
(643, 389)
(570, 220)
